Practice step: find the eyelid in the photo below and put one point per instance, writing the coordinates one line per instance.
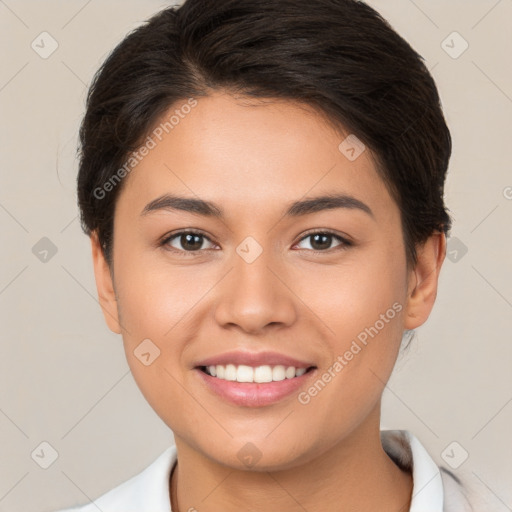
(345, 241)
(170, 236)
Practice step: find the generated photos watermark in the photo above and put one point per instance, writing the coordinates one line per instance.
(355, 348)
(150, 143)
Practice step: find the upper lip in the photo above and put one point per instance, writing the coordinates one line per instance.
(253, 359)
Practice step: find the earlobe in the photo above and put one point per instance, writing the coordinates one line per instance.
(423, 280)
(105, 286)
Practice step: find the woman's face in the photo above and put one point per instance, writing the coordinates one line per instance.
(254, 279)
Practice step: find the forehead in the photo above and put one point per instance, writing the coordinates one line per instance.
(250, 154)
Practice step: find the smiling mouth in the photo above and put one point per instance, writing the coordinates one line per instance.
(255, 374)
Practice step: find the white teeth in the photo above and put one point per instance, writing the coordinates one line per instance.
(244, 373)
(290, 372)
(230, 372)
(279, 372)
(262, 374)
(259, 374)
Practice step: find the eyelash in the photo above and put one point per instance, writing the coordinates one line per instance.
(342, 246)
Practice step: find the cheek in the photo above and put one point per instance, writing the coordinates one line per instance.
(154, 296)
(156, 306)
(161, 303)
(362, 305)
(353, 296)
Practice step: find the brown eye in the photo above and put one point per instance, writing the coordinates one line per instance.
(322, 241)
(186, 241)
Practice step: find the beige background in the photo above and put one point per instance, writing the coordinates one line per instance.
(64, 377)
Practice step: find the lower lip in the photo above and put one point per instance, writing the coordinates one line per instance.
(254, 394)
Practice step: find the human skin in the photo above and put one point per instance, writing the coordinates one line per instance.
(253, 159)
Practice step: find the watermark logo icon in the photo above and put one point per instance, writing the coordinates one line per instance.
(44, 455)
(249, 455)
(44, 45)
(44, 250)
(455, 455)
(454, 45)
(455, 249)
(146, 352)
(249, 249)
(351, 147)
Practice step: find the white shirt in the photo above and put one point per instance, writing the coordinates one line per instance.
(434, 489)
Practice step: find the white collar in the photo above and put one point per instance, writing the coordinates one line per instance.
(148, 491)
(409, 454)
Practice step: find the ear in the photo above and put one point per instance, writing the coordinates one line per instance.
(105, 286)
(423, 279)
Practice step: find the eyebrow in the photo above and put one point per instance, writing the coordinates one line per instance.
(295, 209)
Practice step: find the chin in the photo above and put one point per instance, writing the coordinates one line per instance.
(259, 456)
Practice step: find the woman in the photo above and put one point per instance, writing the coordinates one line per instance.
(262, 183)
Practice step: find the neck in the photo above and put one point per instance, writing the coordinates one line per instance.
(355, 474)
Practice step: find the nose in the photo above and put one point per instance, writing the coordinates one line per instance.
(255, 296)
